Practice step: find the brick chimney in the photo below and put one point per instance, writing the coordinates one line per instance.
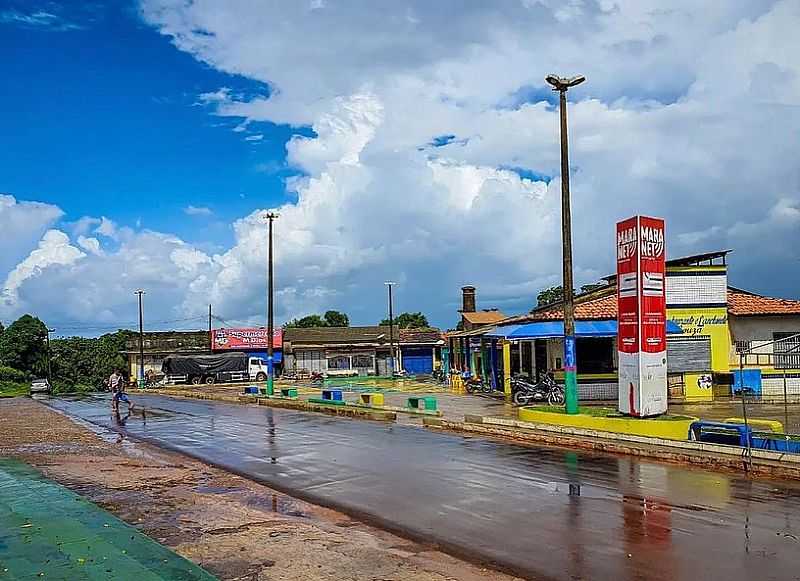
(468, 299)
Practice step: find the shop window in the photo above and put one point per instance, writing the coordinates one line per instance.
(339, 362)
(595, 355)
(363, 361)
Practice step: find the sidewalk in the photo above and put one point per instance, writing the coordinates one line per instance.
(454, 406)
(49, 532)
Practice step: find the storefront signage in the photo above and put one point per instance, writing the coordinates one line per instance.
(694, 325)
(641, 294)
(236, 339)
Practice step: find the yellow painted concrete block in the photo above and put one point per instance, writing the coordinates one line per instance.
(457, 384)
(375, 399)
(670, 429)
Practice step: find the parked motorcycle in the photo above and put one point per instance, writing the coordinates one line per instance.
(476, 385)
(546, 389)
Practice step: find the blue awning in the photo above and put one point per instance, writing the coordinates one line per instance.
(554, 329)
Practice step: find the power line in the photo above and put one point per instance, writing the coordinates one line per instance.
(120, 325)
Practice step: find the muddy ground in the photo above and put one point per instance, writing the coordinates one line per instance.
(231, 526)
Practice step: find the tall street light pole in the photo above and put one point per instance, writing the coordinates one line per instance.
(389, 285)
(49, 357)
(270, 322)
(140, 293)
(562, 84)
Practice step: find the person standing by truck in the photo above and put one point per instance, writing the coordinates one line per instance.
(116, 383)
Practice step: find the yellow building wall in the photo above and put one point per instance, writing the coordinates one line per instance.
(697, 387)
(711, 322)
(507, 368)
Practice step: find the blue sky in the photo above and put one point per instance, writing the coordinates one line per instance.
(106, 121)
(408, 141)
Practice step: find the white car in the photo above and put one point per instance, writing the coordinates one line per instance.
(40, 386)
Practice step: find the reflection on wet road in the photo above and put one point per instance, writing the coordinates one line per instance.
(542, 512)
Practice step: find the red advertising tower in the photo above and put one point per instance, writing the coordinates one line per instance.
(641, 333)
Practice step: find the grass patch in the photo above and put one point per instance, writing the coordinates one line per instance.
(601, 412)
(13, 389)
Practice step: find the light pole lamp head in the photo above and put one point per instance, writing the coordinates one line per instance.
(390, 283)
(564, 83)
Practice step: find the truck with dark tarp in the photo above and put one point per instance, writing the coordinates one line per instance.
(215, 368)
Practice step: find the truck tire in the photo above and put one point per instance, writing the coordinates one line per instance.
(261, 376)
(210, 380)
(196, 380)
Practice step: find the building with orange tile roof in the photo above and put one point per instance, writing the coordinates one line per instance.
(720, 327)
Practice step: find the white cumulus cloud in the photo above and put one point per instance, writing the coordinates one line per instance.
(54, 249)
(197, 211)
(433, 158)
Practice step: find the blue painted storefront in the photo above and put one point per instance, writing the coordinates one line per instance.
(417, 361)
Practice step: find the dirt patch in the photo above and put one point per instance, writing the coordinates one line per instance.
(231, 526)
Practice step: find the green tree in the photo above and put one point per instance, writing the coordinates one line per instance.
(307, 321)
(79, 362)
(336, 319)
(555, 294)
(550, 295)
(409, 321)
(23, 345)
(330, 319)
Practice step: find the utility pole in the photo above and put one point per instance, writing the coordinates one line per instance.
(561, 85)
(389, 285)
(140, 293)
(270, 322)
(210, 328)
(49, 370)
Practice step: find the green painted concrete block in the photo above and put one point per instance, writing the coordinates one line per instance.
(422, 403)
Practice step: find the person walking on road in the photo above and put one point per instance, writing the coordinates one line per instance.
(116, 382)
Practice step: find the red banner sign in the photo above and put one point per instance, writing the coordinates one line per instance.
(237, 339)
(641, 325)
(653, 304)
(627, 286)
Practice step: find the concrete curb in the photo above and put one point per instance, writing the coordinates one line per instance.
(290, 404)
(709, 456)
(398, 409)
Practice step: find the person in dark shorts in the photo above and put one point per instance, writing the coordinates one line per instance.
(117, 385)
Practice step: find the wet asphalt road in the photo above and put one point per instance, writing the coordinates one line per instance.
(540, 512)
